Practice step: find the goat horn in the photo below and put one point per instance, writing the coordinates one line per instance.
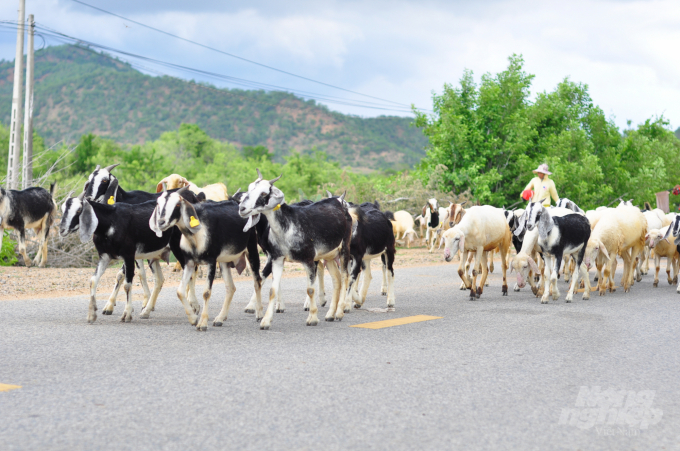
(81, 196)
(259, 174)
(271, 182)
(329, 194)
(237, 191)
(181, 190)
(464, 202)
(110, 168)
(343, 195)
(97, 168)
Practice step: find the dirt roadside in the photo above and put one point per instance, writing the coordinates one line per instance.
(20, 283)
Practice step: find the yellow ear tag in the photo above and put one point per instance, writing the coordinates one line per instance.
(193, 222)
(277, 207)
(111, 201)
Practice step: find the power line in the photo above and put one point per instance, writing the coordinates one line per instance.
(62, 37)
(236, 56)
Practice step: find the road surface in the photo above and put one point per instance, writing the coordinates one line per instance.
(497, 373)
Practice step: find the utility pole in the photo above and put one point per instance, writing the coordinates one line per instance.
(27, 172)
(15, 124)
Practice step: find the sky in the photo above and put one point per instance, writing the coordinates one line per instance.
(399, 51)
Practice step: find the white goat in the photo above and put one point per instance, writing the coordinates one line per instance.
(402, 226)
(481, 229)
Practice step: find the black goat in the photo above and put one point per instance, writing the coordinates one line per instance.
(212, 232)
(119, 231)
(372, 237)
(32, 208)
(305, 234)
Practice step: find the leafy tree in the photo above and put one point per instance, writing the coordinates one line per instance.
(256, 152)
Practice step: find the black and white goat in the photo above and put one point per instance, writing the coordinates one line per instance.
(32, 208)
(371, 237)
(103, 187)
(305, 234)
(557, 238)
(99, 188)
(431, 215)
(566, 203)
(119, 231)
(212, 233)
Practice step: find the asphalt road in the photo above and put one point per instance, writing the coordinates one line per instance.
(497, 373)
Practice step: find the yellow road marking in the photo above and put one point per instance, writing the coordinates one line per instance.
(7, 387)
(396, 322)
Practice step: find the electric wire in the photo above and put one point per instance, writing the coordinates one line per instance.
(62, 37)
(234, 56)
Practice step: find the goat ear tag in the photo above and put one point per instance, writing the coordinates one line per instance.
(193, 222)
(277, 207)
(111, 201)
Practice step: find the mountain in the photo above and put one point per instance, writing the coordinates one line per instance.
(80, 91)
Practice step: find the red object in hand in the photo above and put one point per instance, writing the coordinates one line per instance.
(676, 190)
(527, 194)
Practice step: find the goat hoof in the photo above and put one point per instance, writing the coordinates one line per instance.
(330, 319)
(92, 319)
(217, 323)
(338, 319)
(107, 312)
(544, 301)
(259, 319)
(390, 305)
(675, 280)
(357, 305)
(312, 322)
(202, 328)
(250, 310)
(323, 304)
(655, 284)
(383, 293)
(125, 318)
(264, 327)
(306, 309)
(145, 315)
(280, 310)
(347, 310)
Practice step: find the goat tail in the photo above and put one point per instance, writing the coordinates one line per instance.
(53, 187)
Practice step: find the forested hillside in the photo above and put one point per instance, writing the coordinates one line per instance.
(78, 91)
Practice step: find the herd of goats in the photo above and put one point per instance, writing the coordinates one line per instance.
(206, 226)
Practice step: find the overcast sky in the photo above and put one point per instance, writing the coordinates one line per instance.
(626, 51)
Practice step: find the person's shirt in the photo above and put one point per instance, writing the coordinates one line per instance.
(543, 189)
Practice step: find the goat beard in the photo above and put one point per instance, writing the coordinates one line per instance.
(252, 220)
